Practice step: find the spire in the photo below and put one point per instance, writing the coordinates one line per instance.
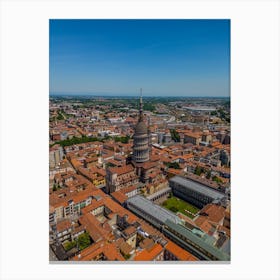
(141, 107)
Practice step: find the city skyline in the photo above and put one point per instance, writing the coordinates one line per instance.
(139, 182)
(116, 57)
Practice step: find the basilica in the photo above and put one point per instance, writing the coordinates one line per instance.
(143, 170)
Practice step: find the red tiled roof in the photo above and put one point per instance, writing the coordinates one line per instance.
(109, 250)
(63, 225)
(122, 170)
(215, 212)
(130, 230)
(119, 196)
(149, 255)
(128, 189)
(203, 223)
(93, 226)
(179, 253)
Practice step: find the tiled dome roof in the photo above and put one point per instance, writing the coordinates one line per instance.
(141, 128)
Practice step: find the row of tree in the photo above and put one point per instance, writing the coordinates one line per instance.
(175, 135)
(199, 170)
(86, 139)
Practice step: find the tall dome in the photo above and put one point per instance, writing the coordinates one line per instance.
(141, 138)
(141, 128)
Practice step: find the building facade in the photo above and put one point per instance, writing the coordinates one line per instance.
(194, 192)
(118, 178)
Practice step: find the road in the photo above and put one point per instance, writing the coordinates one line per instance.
(52, 256)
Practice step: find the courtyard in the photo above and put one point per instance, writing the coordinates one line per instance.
(176, 204)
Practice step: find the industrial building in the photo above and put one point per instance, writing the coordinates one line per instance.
(194, 192)
(200, 245)
(193, 240)
(151, 212)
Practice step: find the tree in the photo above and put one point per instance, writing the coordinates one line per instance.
(76, 140)
(54, 188)
(208, 175)
(174, 165)
(217, 179)
(173, 209)
(122, 139)
(109, 164)
(198, 170)
(84, 240)
(175, 135)
(126, 256)
(69, 245)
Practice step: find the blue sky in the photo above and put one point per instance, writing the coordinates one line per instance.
(117, 57)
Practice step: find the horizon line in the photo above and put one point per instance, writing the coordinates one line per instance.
(118, 95)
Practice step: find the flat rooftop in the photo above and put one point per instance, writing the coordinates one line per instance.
(152, 209)
(197, 187)
(202, 243)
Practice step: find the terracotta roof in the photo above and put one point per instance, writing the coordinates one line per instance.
(129, 231)
(155, 158)
(76, 196)
(109, 250)
(215, 212)
(187, 156)
(147, 243)
(115, 162)
(93, 226)
(100, 171)
(128, 189)
(63, 225)
(148, 228)
(112, 253)
(119, 197)
(192, 134)
(79, 229)
(118, 209)
(179, 253)
(51, 209)
(203, 223)
(126, 248)
(149, 255)
(149, 164)
(174, 171)
(122, 170)
(94, 204)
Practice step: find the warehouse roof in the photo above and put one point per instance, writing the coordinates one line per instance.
(197, 187)
(152, 209)
(198, 240)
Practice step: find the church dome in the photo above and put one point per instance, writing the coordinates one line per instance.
(141, 128)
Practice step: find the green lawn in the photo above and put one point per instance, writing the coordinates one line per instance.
(175, 205)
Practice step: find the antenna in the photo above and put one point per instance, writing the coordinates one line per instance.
(141, 98)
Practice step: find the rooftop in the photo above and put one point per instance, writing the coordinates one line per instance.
(202, 243)
(149, 207)
(122, 169)
(149, 255)
(215, 213)
(179, 253)
(197, 187)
